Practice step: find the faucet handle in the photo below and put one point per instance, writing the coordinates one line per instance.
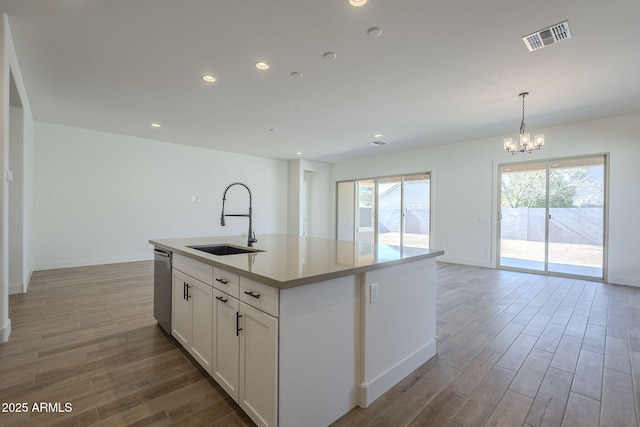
(253, 239)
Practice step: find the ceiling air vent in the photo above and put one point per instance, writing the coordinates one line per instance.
(548, 36)
(377, 143)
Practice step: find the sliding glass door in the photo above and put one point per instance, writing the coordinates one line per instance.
(552, 216)
(393, 212)
(576, 216)
(522, 224)
(416, 191)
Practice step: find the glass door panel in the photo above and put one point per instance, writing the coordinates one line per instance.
(523, 190)
(390, 211)
(576, 216)
(345, 221)
(365, 216)
(416, 200)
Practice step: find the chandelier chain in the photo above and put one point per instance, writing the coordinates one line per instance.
(522, 122)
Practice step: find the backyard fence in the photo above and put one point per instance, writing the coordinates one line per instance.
(567, 225)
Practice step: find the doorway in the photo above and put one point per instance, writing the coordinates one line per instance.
(16, 190)
(552, 216)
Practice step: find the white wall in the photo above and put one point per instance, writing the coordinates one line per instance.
(295, 185)
(99, 197)
(464, 188)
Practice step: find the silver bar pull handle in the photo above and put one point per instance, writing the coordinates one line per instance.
(162, 253)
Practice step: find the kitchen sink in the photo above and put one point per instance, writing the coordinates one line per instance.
(225, 249)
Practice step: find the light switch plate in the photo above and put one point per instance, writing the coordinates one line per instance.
(373, 294)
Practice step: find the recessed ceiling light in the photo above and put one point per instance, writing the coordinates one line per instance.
(262, 66)
(357, 3)
(155, 125)
(329, 55)
(377, 135)
(208, 78)
(374, 32)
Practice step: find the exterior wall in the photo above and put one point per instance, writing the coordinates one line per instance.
(568, 225)
(416, 201)
(416, 220)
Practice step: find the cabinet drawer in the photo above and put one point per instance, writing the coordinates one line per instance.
(226, 282)
(197, 269)
(259, 295)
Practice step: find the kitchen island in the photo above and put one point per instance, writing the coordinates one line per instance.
(305, 329)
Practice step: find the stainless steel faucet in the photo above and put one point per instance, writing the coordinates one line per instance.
(252, 235)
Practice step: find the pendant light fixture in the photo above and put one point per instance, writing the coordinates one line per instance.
(527, 145)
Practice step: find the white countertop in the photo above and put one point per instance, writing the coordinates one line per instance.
(289, 261)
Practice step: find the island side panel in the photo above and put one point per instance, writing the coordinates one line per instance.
(318, 352)
(398, 331)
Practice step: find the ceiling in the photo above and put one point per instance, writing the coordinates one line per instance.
(440, 72)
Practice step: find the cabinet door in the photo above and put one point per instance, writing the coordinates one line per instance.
(201, 346)
(258, 365)
(226, 348)
(181, 310)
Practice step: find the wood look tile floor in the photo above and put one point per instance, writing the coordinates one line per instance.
(87, 336)
(514, 350)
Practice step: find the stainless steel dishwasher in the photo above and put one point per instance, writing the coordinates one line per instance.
(162, 288)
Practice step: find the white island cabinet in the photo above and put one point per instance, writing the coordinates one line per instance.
(192, 317)
(258, 365)
(245, 347)
(305, 330)
(226, 351)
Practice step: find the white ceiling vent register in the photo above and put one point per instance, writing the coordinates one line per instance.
(547, 36)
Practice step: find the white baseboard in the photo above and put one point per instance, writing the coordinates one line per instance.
(20, 288)
(27, 282)
(475, 263)
(16, 288)
(5, 331)
(89, 262)
(624, 280)
(368, 393)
